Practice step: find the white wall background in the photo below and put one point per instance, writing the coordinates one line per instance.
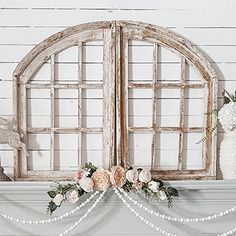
(208, 24)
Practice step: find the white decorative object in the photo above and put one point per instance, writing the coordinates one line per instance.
(8, 136)
(227, 116)
(228, 156)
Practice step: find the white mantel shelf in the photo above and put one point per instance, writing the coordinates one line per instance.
(16, 186)
(197, 198)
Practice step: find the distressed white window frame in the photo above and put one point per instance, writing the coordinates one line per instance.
(115, 36)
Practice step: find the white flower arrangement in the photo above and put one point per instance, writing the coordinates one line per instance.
(226, 115)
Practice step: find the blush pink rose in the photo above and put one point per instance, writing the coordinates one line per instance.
(80, 174)
(101, 179)
(117, 176)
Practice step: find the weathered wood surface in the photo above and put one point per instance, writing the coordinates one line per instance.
(115, 36)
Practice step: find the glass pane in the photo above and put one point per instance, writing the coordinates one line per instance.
(168, 107)
(140, 107)
(39, 150)
(92, 148)
(140, 149)
(66, 151)
(167, 151)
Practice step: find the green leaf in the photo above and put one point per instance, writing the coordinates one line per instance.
(127, 186)
(172, 191)
(80, 192)
(227, 97)
(226, 100)
(52, 194)
(51, 207)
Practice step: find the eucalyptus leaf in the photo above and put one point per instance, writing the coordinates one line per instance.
(172, 191)
(51, 207)
(52, 194)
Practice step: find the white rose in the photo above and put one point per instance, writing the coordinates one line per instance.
(132, 175)
(58, 199)
(153, 185)
(73, 196)
(145, 176)
(86, 184)
(162, 195)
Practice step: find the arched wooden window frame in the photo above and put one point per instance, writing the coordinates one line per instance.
(115, 35)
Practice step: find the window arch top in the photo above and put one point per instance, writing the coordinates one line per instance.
(118, 127)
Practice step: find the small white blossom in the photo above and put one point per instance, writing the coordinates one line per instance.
(162, 195)
(154, 186)
(73, 196)
(227, 116)
(86, 184)
(58, 199)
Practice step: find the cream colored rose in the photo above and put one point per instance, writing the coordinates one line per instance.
(58, 199)
(132, 175)
(73, 196)
(154, 186)
(145, 176)
(117, 176)
(86, 184)
(161, 194)
(101, 179)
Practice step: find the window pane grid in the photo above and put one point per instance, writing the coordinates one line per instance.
(55, 88)
(157, 129)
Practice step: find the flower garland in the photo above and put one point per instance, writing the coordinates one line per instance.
(90, 178)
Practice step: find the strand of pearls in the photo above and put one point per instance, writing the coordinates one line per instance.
(181, 220)
(150, 224)
(230, 232)
(52, 220)
(84, 216)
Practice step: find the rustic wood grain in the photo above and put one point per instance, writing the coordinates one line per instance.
(116, 35)
(52, 101)
(181, 117)
(154, 104)
(80, 98)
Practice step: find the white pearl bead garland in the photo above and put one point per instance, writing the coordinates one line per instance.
(84, 216)
(230, 232)
(181, 220)
(48, 221)
(23, 221)
(150, 224)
